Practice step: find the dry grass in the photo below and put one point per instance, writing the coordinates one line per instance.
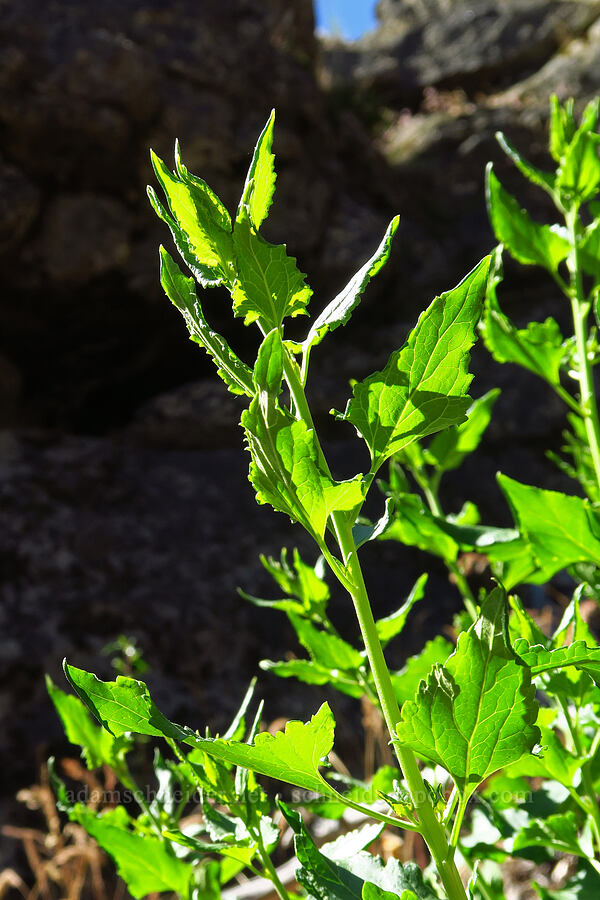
(64, 861)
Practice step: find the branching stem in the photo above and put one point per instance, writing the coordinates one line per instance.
(432, 831)
(580, 308)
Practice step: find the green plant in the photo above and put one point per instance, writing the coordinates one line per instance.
(471, 713)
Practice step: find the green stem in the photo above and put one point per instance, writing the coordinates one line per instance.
(458, 820)
(431, 829)
(484, 889)
(588, 784)
(580, 309)
(373, 813)
(125, 777)
(429, 489)
(270, 871)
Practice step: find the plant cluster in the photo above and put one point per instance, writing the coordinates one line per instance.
(496, 738)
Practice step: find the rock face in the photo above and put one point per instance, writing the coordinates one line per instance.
(85, 91)
(482, 45)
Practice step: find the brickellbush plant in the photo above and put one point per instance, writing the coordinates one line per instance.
(509, 714)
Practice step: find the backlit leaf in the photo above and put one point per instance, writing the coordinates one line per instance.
(268, 286)
(182, 293)
(260, 181)
(423, 386)
(414, 525)
(557, 529)
(198, 221)
(310, 672)
(97, 745)
(328, 649)
(578, 175)
(340, 309)
(449, 448)
(293, 755)
(579, 655)
(286, 469)
(121, 706)
(392, 625)
(528, 242)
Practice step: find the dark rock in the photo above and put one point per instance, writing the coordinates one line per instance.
(84, 236)
(477, 46)
(102, 537)
(573, 72)
(86, 89)
(19, 206)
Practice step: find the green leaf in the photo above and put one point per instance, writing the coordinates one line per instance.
(287, 469)
(340, 309)
(557, 832)
(562, 127)
(539, 347)
(182, 294)
(373, 892)
(476, 537)
(540, 659)
(98, 747)
(310, 672)
(572, 626)
(326, 878)
(305, 582)
(553, 761)
(268, 286)
(237, 727)
(423, 386)
(327, 649)
(407, 680)
(523, 625)
(122, 706)
(475, 714)
(415, 526)
(544, 180)
(268, 368)
(528, 242)
(589, 250)
(365, 531)
(558, 529)
(293, 755)
(260, 181)
(391, 626)
(145, 863)
(449, 448)
(578, 175)
(198, 221)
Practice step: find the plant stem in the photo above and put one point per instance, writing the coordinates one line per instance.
(270, 871)
(395, 821)
(458, 819)
(433, 501)
(580, 308)
(432, 831)
(588, 785)
(123, 773)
